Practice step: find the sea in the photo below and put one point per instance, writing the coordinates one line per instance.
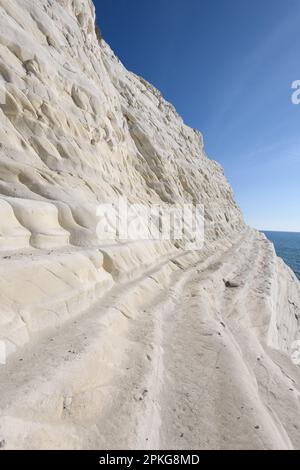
(287, 246)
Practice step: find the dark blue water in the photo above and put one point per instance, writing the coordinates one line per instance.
(287, 246)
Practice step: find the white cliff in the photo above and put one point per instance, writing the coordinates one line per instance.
(133, 344)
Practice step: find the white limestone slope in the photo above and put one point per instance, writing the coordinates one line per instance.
(132, 344)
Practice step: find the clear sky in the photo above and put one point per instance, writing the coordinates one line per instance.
(228, 67)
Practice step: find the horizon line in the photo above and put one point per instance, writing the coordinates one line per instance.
(279, 231)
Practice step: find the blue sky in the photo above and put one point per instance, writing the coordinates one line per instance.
(227, 66)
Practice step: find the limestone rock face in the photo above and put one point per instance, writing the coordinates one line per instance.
(125, 343)
(77, 128)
